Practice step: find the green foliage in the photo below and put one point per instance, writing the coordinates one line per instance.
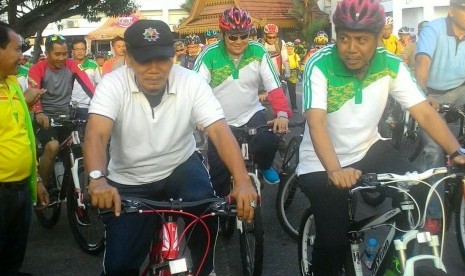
(314, 27)
(188, 5)
(29, 17)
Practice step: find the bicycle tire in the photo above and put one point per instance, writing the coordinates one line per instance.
(87, 228)
(306, 243)
(408, 141)
(251, 245)
(291, 204)
(227, 225)
(48, 217)
(460, 225)
(291, 157)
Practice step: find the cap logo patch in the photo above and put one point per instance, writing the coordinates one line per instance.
(151, 34)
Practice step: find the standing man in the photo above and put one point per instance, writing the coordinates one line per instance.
(440, 71)
(193, 50)
(57, 74)
(150, 109)
(277, 50)
(235, 67)
(19, 183)
(390, 41)
(79, 49)
(119, 55)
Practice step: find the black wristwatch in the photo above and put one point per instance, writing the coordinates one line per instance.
(459, 151)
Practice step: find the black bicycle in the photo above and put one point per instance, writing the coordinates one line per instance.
(68, 183)
(290, 201)
(250, 234)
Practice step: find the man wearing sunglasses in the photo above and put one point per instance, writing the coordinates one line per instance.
(235, 67)
(56, 74)
(277, 50)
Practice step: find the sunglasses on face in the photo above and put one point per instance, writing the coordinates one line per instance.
(55, 38)
(236, 37)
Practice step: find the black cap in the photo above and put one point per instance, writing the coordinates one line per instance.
(149, 39)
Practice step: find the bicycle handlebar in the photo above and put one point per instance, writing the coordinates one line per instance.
(65, 121)
(216, 205)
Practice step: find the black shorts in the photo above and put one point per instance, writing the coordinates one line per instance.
(45, 135)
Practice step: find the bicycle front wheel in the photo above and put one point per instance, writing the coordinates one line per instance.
(291, 204)
(251, 245)
(460, 226)
(48, 217)
(87, 228)
(306, 242)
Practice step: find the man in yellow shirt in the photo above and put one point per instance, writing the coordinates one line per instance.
(390, 41)
(19, 185)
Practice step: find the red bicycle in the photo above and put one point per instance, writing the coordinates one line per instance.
(168, 255)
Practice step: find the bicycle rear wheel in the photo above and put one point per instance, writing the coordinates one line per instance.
(460, 224)
(306, 242)
(291, 204)
(48, 217)
(407, 140)
(251, 245)
(87, 228)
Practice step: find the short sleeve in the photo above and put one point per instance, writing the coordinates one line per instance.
(108, 97)
(206, 108)
(405, 89)
(315, 89)
(427, 41)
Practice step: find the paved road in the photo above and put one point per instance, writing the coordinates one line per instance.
(54, 252)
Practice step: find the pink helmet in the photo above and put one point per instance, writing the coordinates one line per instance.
(361, 15)
(235, 19)
(270, 29)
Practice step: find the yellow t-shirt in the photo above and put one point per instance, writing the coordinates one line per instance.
(393, 45)
(15, 149)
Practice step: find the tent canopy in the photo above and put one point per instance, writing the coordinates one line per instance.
(114, 26)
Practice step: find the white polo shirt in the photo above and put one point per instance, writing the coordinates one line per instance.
(147, 144)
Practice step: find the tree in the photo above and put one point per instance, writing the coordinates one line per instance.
(311, 19)
(31, 16)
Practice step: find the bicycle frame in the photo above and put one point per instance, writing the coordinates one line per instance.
(357, 228)
(164, 254)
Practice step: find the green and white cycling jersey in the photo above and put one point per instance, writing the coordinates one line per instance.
(236, 87)
(354, 107)
(79, 95)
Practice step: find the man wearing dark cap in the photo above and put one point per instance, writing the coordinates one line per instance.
(440, 71)
(150, 108)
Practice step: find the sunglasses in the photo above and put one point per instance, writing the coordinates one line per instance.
(53, 38)
(236, 37)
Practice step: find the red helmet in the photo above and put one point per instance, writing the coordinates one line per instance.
(235, 19)
(361, 15)
(270, 29)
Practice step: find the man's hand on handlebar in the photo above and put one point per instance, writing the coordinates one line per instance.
(280, 124)
(244, 194)
(42, 120)
(344, 178)
(104, 196)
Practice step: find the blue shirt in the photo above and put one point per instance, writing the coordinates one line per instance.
(447, 53)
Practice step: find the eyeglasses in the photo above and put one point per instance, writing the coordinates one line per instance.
(271, 37)
(52, 38)
(236, 37)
